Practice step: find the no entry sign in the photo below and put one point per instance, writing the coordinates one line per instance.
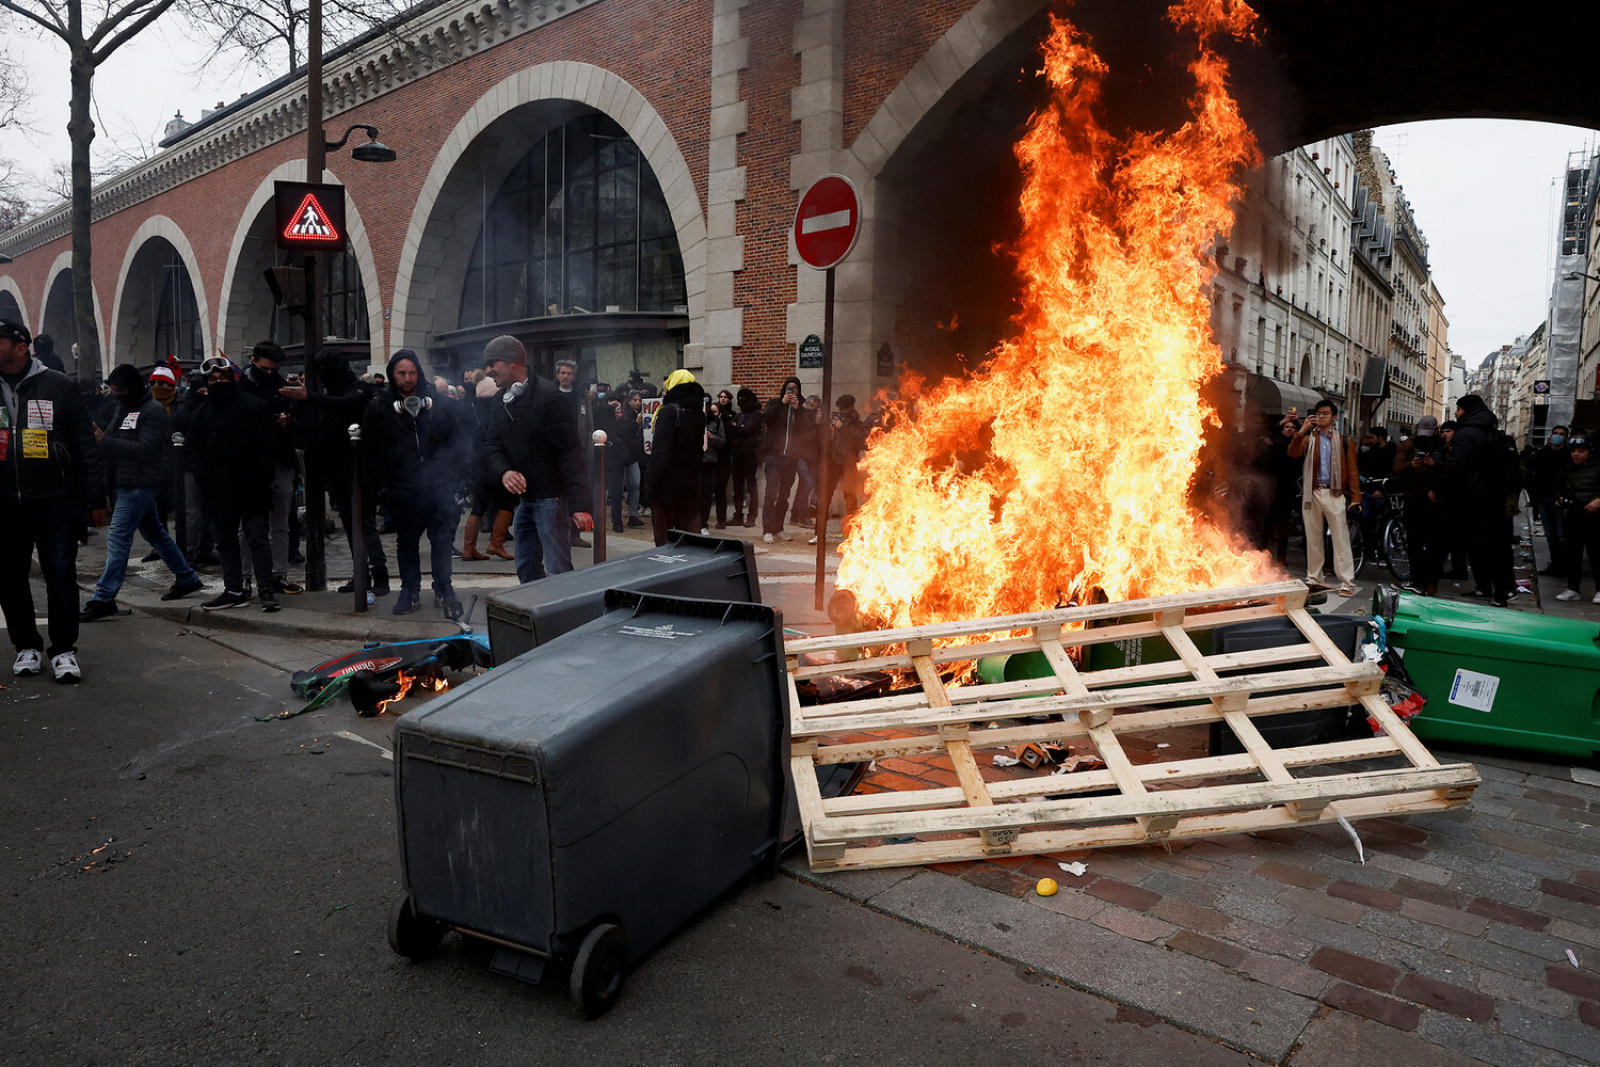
(827, 222)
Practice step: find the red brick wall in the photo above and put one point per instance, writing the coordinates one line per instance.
(661, 47)
(766, 285)
(882, 42)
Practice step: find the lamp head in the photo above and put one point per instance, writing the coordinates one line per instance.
(374, 151)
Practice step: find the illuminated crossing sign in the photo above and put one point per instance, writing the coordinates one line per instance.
(309, 216)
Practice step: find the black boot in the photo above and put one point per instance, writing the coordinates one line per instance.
(379, 585)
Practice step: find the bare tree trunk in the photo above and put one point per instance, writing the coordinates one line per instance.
(80, 127)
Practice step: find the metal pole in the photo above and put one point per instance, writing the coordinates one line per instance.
(316, 151)
(599, 495)
(180, 511)
(358, 538)
(825, 488)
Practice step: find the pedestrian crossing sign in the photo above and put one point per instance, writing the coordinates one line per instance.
(310, 216)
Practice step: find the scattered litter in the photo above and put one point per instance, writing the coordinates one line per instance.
(1361, 853)
(1572, 957)
(898, 840)
(1047, 887)
(1163, 745)
(1077, 870)
(1006, 761)
(331, 911)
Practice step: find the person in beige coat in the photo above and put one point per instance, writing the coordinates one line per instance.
(1330, 490)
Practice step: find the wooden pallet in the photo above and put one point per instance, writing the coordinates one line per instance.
(1255, 790)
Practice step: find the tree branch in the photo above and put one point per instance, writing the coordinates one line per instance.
(99, 55)
(54, 26)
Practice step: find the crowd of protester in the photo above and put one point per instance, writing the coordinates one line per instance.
(1457, 484)
(507, 454)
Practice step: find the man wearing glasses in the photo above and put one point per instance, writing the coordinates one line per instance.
(534, 453)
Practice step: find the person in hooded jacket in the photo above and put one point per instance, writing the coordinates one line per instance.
(50, 470)
(413, 445)
(343, 401)
(716, 443)
(746, 429)
(1472, 491)
(677, 452)
(139, 446)
(231, 441)
(791, 436)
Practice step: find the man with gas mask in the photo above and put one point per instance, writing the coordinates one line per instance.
(412, 445)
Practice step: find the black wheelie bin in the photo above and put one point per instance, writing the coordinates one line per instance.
(583, 802)
(1295, 728)
(709, 568)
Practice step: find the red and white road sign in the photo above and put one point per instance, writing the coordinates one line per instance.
(827, 222)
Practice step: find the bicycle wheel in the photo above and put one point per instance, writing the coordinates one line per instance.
(1358, 546)
(1396, 551)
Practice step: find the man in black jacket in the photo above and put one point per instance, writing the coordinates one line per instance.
(343, 401)
(51, 473)
(791, 436)
(534, 453)
(231, 439)
(137, 445)
(262, 381)
(1472, 490)
(413, 446)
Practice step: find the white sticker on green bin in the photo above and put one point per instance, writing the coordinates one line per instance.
(1474, 690)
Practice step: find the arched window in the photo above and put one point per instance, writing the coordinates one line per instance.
(579, 225)
(177, 315)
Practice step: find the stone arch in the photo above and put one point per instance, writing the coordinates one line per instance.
(16, 306)
(56, 313)
(244, 304)
(128, 313)
(466, 157)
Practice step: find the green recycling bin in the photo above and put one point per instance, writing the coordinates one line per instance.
(1501, 678)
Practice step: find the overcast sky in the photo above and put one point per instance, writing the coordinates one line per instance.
(1482, 191)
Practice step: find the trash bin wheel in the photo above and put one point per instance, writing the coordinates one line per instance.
(598, 970)
(413, 936)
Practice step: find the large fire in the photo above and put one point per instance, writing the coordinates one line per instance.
(1063, 464)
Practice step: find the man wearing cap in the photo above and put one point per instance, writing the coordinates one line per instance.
(51, 470)
(534, 453)
(137, 446)
(1417, 463)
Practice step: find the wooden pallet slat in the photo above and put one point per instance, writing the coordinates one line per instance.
(1176, 798)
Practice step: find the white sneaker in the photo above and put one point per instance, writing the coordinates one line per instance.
(1571, 594)
(766, 539)
(29, 660)
(704, 532)
(786, 535)
(66, 667)
(811, 540)
(1596, 599)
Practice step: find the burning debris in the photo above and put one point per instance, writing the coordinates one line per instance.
(378, 675)
(1062, 465)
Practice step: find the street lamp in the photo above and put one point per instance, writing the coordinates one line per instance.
(317, 147)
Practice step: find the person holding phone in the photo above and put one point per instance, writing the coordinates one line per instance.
(1330, 489)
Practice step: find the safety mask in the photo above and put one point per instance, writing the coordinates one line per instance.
(1558, 440)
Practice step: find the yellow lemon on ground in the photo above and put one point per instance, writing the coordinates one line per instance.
(1047, 887)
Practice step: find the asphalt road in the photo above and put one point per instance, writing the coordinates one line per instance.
(185, 885)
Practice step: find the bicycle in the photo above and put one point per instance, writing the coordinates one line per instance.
(1386, 526)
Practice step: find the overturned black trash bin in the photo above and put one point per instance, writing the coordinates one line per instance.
(691, 565)
(584, 801)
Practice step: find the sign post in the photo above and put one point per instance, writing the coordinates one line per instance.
(310, 218)
(826, 225)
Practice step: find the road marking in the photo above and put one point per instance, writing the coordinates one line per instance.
(833, 220)
(348, 736)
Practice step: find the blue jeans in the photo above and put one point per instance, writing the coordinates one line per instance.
(543, 544)
(417, 512)
(136, 510)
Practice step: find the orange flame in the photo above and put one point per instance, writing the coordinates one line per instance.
(406, 680)
(1063, 464)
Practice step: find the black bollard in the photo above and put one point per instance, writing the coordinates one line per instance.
(598, 508)
(358, 541)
